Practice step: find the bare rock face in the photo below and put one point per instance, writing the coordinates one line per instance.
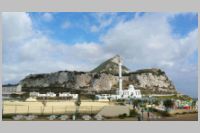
(104, 82)
(152, 80)
(71, 80)
(83, 80)
(101, 79)
(65, 79)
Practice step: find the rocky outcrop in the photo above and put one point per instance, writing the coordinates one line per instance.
(152, 80)
(71, 80)
(102, 79)
(111, 66)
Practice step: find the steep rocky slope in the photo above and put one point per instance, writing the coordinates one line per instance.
(152, 80)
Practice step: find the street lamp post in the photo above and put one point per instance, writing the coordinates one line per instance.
(142, 114)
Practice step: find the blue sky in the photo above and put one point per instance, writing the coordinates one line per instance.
(47, 42)
(77, 31)
(182, 24)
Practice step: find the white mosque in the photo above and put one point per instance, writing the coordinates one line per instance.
(131, 92)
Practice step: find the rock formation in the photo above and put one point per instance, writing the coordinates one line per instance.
(101, 79)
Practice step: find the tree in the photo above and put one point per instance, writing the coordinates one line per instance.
(44, 103)
(136, 102)
(168, 104)
(91, 96)
(78, 103)
(156, 102)
(24, 96)
(193, 104)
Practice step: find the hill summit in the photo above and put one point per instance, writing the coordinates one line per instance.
(111, 66)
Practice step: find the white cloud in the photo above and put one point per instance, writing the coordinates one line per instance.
(17, 33)
(103, 20)
(147, 41)
(47, 17)
(94, 28)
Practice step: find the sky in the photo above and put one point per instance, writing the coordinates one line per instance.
(43, 42)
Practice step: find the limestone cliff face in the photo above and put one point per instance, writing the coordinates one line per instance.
(153, 81)
(147, 80)
(104, 82)
(71, 80)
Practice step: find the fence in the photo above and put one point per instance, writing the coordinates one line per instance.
(45, 110)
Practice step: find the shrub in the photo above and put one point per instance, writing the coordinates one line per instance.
(120, 101)
(25, 96)
(156, 102)
(184, 113)
(177, 113)
(14, 95)
(133, 113)
(122, 116)
(136, 102)
(7, 116)
(160, 112)
(153, 110)
(168, 104)
(164, 113)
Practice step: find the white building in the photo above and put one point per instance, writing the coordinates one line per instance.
(131, 92)
(37, 94)
(53, 95)
(42, 95)
(34, 94)
(8, 90)
(65, 94)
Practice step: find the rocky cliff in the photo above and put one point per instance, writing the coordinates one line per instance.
(152, 81)
(101, 79)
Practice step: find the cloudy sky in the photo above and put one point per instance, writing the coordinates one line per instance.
(49, 42)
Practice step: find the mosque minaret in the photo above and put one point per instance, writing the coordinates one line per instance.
(120, 91)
